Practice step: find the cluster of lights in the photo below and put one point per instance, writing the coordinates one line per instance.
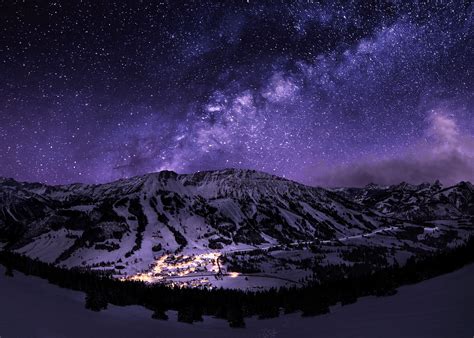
(170, 267)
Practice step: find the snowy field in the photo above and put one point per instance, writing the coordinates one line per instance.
(440, 307)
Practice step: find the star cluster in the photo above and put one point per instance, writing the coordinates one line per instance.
(325, 93)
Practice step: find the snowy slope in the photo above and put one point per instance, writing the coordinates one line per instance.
(198, 229)
(417, 202)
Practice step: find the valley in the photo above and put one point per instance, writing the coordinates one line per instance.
(230, 228)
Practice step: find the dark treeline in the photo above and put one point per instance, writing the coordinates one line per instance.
(337, 283)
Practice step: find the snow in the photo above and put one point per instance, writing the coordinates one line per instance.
(243, 199)
(87, 208)
(440, 307)
(49, 246)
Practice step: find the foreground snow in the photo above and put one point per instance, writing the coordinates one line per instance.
(440, 307)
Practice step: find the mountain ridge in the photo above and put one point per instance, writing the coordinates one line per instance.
(129, 225)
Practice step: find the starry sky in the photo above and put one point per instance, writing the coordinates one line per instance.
(325, 93)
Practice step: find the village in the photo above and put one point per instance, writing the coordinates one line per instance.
(183, 270)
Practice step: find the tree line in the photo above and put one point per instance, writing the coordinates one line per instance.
(336, 284)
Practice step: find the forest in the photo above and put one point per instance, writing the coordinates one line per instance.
(337, 284)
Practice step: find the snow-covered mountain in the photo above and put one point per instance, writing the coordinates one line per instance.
(416, 202)
(164, 225)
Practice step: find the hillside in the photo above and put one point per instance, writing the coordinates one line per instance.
(231, 228)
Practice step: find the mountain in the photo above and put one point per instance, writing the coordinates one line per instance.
(416, 202)
(231, 228)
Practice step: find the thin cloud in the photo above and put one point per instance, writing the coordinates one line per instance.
(447, 155)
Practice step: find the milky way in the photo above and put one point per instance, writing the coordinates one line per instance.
(329, 93)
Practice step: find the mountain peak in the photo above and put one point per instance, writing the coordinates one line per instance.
(372, 185)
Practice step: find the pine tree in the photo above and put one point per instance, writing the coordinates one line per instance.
(235, 316)
(96, 301)
(160, 314)
(185, 314)
(9, 271)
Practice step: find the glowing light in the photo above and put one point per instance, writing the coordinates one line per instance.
(234, 274)
(168, 267)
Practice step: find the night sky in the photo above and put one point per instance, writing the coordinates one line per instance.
(328, 94)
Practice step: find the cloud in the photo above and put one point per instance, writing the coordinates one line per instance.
(445, 131)
(446, 154)
(449, 168)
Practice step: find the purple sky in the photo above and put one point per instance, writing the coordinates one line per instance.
(336, 94)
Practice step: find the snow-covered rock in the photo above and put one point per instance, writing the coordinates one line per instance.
(127, 225)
